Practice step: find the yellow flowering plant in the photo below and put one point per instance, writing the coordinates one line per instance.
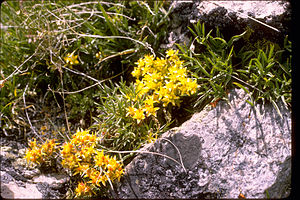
(40, 153)
(160, 81)
(137, 113)
(71, 59)
(120, 109)
(83, 189)
(81, 157)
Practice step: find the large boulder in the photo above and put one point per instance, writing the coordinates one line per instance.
(267, 19)
(223, 152)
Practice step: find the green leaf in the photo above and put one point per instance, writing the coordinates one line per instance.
(271, 52)
(223, 42)
(241, 86)
(183, 49)
(250, 103)
(201, 67)
(108, 20)
(236, 38)
(284, 68)
(276, 107)
(193, 32)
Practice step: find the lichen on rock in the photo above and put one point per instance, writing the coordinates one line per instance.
(227, 150)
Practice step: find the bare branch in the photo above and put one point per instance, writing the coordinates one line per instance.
(18, 68)
(149, 152)
(146, 45)
(32, 128)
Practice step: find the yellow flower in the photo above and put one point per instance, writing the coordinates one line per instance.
(178, 63)
(171, 52)
(81, 138)
(101, 159)
(170, 98)
(161, 92)
(48, 148)
(136, 72)
(40, 153)
(83, 189)
(148, 60)
(164, 80)
(103, 179)
(67, 149)
(31, 155)
(44, 128)
(32, 144)
(139, 115)
(87, 153)
(139, 86)
(150, 100)
(140, 63)
(98, 54)
(95, 177)
(188, 86)
(71, 59)
(81, 169)
(151, 137)
(160, 64)
(114, 169)
(170, 87)
(131, 111)
(110, 169)
(150, 110)
(70, 161)
(193, 86)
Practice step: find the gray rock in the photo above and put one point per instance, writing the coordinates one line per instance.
(236, 15)
(14, 191)
(18, 180)
(5, 177)
(31, 173)
(232, 18)
(220, 153)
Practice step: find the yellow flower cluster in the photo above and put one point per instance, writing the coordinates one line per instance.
(160, 81)
(71, 59)
(83, 189)
(82, 158)
(80, 148)
(38, 153)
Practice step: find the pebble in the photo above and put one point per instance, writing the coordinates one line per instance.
(4, 149)
(31, 173)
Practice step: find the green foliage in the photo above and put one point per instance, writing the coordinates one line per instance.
(211, 63)
(269, 72)
(261, 67)
(120, 131)
(40, 35)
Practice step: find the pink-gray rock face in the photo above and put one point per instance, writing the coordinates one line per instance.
(227, 150)
(232, 18)
(20, 181)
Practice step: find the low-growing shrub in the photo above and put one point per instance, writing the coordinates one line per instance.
(131, 116)
(81, 156)
(160, 81)
(119, 130)
(41, 153)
